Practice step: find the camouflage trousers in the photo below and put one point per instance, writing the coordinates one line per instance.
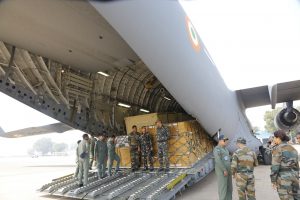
(135, 157)
(147, 157)
(288, 186)
(163, 154)
(245, 186)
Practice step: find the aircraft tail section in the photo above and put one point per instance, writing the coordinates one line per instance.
(176, 55)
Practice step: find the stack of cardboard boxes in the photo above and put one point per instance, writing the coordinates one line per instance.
(188, 141)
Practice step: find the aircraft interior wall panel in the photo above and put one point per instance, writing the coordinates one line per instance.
(189, 75)
(75, 35)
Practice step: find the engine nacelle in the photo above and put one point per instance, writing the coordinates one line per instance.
(287, 119)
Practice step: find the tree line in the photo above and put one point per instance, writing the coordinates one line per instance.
(46, 145)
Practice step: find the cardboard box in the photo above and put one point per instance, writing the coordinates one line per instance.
(124, 153)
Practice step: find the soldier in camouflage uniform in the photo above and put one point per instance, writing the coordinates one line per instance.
(146, 149)
(285, 168)
(222, 169)
(101, 155)
(134, 143)
(112, 155)
(242, 166)
(162, 136)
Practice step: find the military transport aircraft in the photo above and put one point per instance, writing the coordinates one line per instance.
(89, 64)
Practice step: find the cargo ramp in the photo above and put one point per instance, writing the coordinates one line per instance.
(132, 185)
(190, 156)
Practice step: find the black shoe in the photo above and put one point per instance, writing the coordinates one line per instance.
(167, 170)
(151, 170)
(160, 169)
(145, 169)
(132, 170)
(80, 185)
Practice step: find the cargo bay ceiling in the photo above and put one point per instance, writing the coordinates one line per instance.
(63, 59)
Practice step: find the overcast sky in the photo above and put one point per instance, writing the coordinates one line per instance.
(16, 115)
(253, 43)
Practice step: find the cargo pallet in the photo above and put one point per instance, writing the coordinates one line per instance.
(132, 185)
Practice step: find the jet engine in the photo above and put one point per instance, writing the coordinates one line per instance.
(288, 118)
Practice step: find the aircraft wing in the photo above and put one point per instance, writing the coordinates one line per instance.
(264, 95)
(50, 128)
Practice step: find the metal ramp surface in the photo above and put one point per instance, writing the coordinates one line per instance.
(131, 186)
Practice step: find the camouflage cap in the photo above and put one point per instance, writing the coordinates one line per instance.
(241, 140)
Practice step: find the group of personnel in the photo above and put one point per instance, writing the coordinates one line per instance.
(284, 170)
(100, 150)
(141, 145)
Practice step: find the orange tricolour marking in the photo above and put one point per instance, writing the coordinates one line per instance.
(192, 34)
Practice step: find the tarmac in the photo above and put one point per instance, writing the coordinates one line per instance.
(208, 188)
(20, 178)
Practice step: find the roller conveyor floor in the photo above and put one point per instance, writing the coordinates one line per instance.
(131, 185)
